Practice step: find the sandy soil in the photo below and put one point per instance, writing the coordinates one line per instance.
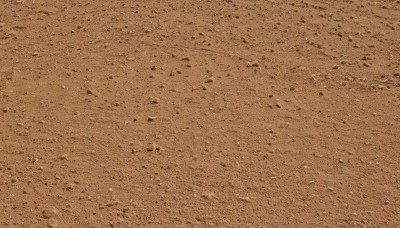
(228, 113)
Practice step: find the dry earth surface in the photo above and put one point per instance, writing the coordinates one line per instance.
(179, 113)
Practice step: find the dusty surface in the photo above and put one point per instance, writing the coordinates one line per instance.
(266, 113)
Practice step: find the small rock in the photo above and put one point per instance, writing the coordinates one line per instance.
(134, 151)
(381, 87)
(51, 213)
(278, 105)
(397, 73)
(244, 198)
(112, 203)
(89, 92)
(210, 80)
(350, 38)
(253, 64)
(335, 67)
(151, 118)
(69, 186)
(208, 196)
(63, 157)
(302, 68)
(185, 59)
(6, 109)
(152, 147)
(154, 100)
(53, 223)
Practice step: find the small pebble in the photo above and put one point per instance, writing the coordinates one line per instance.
(335, 67)
(63, 157)
(350, 38)
(210, 80)
(253, 64)
(208, 196)
(154, 100)
(53, 223)
(244, 198)
(151, 118)
(152, 147)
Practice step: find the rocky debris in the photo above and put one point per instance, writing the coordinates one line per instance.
(89, 92)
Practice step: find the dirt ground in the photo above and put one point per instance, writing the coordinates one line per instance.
(174, 113)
